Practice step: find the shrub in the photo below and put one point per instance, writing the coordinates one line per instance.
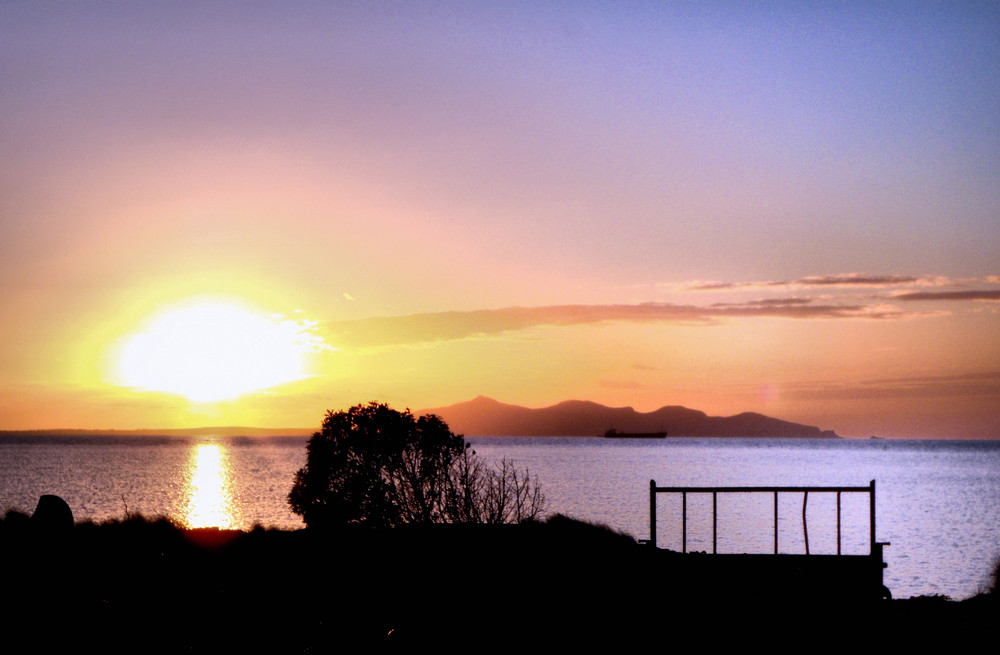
(377, 466)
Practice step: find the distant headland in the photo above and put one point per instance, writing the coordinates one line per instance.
(485, 417)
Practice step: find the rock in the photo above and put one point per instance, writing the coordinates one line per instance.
(52, 513)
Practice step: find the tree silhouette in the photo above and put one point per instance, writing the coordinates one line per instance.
(380, 467)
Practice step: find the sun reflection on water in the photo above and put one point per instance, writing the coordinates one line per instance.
(210, 504)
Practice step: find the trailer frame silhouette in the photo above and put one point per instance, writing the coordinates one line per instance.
(862, 574)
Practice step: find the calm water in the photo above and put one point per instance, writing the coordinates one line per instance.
(938, 503)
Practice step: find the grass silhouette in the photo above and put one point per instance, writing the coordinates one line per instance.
(146, 584)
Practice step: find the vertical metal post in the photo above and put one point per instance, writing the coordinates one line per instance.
(652, 513)
(684, 522)
(775, 522)
(871, 511)
(805, 525)
(838, 522)
(715, 521)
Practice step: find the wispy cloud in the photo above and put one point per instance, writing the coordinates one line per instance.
(808, 303)
(768, 302)
(447, 326)
(840, 294)
(862, 280)
(840, 280)
(975, 294)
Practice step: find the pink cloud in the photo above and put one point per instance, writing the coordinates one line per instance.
(842, 280)
(446, 326)
(972, 294)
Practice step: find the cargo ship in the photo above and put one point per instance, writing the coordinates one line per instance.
(615, 434)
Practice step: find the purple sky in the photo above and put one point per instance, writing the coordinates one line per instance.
(780, 207)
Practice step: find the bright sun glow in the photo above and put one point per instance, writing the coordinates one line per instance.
(211, 350)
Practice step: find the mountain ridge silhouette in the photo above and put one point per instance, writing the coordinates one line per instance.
(483, 416)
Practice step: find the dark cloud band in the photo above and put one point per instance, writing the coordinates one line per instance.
(448, 326)
(988, 295)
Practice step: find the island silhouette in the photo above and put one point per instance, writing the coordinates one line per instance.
(484, 417)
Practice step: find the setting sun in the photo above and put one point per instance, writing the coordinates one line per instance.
(213, 350)
(660, 205)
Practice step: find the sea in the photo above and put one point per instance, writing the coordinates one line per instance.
(937, 503)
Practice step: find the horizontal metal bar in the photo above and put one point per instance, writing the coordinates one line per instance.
(759, 489)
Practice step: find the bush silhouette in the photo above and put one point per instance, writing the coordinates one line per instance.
(380, 467)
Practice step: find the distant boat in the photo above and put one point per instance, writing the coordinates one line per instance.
(615, 434)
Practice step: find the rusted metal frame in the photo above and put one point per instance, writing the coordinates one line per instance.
(653, 490)
(865, 489)
(715, 521)
(775, 522)
(838, 523)
(684, 521)
(805, 524)
(871, 519)
(652, 513)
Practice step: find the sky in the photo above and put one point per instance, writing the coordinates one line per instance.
(244, 213)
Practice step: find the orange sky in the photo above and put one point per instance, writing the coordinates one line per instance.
(218, 216)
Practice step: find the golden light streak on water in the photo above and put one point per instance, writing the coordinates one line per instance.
(210, 504)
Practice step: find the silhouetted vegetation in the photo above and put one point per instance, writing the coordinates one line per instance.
(148, 585)
(379, 467)
(499, 493)
(995, 578)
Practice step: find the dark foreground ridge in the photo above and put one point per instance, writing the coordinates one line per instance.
(147, 586)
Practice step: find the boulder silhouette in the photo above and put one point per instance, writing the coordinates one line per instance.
(52, 513)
